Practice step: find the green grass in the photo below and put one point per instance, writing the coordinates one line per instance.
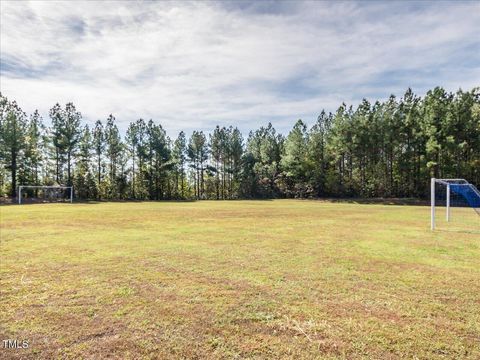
(240, 279)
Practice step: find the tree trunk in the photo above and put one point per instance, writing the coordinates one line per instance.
(201, 177)
(217, 180)
(68, 169)
(133, 175)
(57, 165)
(182, 175)
(99, 170)
(14, 173)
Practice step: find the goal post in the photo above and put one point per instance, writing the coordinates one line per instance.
(448, 192)
(52, 188)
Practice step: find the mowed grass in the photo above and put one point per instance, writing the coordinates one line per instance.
(281, 279)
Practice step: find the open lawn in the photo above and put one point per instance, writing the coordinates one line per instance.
(239, 279)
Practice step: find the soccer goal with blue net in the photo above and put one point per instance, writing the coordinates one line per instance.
(33, 194)
(450, 193)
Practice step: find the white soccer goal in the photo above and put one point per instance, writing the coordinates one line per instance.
(452, 192)
(48, 193)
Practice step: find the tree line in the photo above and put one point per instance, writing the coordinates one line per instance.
(381, 149)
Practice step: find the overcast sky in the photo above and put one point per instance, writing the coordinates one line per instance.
(194, 65)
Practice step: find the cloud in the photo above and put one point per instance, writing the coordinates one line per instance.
(194, 65)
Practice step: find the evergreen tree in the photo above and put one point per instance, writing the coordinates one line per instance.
(132, 144)
(159, 164)
(113, 149)
(34, 152)
(98, 147)
(295, 162)
(179, 157)
(317, 153)
(59, 147)
(71, 135)
(85, 187)
(198, 155)
(217, 151)
(13, 128)
(266, 148)
(236, 155)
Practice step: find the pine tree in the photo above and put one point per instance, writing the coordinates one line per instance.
(132, 144)
(236, 155)
(295, 161)
(265, 147)
(13, 128)
(59, 146)
(198, 155)
(114, 147)
(34, 152)
(71, 135)
(179, 157)
(84, 182)
(318, 155)
(99, 148)
(217, 151)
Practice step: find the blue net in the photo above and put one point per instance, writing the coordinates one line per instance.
(469, 192)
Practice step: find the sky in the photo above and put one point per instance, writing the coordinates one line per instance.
(193, 65)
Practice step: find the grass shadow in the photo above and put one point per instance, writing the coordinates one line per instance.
(458, 231)
(378, 201)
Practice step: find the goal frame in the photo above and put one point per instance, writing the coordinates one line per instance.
(446, 182)
(21, 187)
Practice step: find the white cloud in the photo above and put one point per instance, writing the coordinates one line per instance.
(193, 65)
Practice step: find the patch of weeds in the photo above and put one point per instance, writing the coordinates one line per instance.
(261, 316)
(91, 312)
(125, 291)
(120, 313)
(215, 342)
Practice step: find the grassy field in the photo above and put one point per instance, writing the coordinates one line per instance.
(280, 279)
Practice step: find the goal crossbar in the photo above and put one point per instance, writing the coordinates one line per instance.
(452, 181)
(21, 187)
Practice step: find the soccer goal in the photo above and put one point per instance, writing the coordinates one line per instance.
(450, 193)
(33, 193)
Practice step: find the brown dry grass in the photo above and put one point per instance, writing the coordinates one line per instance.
(246, 279)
